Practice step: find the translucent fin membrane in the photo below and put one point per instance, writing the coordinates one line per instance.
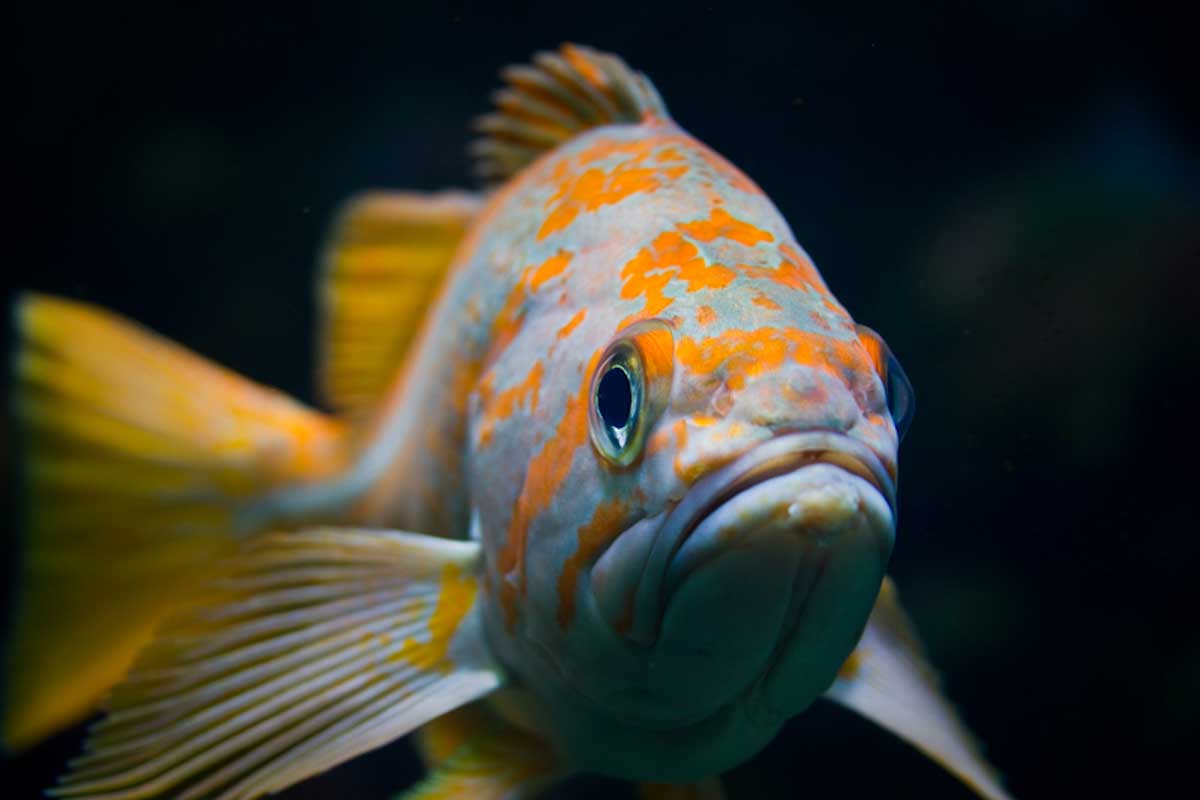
(137, 456)
(557, 97)
(386, 256)
(318, 646)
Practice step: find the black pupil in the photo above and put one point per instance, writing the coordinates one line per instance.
(614, 398)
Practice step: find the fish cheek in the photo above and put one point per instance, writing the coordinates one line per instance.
(529, 429)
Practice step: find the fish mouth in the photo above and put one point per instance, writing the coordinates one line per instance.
(784, 455)
(781, 456)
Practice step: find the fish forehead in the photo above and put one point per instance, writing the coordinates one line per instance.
(630, 222)
(633, 222)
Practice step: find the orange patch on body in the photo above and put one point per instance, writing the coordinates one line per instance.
(669, 154)
(658, 441)
(571, 325)
(669, 257)
(511, 318)
(763, 301)
(792, 274)
(544, 476)
(606, 523)
(705, 315)
(681, 440)
(742, 354)
(592, 188)
(508, 322)
(500, 408)
(876, 420)
(722, 225)
(553, 266)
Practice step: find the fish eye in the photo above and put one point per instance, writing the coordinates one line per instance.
(630, 389)
(616, 409)
(901, 399)
(614, 399)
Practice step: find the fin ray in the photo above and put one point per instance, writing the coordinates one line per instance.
(253, 717)
(386, 256)
(138, 456)
(549, 102)
(889, 680)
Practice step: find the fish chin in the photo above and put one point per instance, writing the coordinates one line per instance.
(850, 532)
(762, 601)
(771, 590)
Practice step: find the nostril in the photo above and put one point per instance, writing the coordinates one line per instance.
(722, 400)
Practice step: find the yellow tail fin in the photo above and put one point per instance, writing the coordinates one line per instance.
(137, 455)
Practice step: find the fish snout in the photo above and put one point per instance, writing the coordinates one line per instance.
(766, 408)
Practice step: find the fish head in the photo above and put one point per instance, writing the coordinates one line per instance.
(688, 528)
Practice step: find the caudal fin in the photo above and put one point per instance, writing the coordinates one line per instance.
(136, 457)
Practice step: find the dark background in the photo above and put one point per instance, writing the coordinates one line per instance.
(1007, 191)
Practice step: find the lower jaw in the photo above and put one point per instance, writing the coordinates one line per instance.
(721, 741)
(828, 622)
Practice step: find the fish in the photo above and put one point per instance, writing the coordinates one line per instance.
(605, 483)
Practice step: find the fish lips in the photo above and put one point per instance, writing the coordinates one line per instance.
(810, 487)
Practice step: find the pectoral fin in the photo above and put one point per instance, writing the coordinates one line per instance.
(889, 680)
(494, 761)
(316, 646)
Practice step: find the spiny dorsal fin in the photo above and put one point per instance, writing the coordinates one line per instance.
(386, 255)
(557, 97)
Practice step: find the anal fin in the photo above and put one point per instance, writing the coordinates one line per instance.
(888, 680)
(482, 757)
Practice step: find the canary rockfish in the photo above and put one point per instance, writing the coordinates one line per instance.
(608, 485)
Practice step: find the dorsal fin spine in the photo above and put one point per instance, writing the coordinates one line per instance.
(551, 101)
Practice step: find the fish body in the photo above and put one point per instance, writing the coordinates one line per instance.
(640, 234)
(669, 453)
